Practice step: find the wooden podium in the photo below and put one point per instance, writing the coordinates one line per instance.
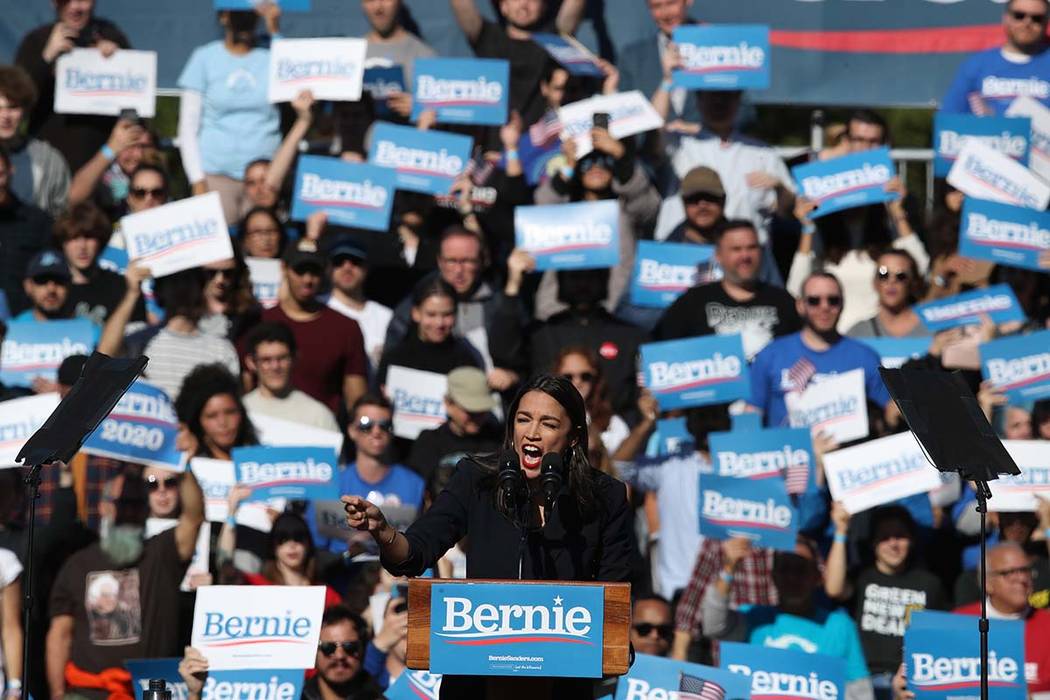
(615, 632)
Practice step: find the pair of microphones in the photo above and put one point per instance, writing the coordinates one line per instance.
(511, 481)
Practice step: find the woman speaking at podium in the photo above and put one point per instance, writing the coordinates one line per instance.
(586, 536)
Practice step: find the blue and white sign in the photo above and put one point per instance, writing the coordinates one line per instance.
(998, 301)
(258, 627)
(141, 428)
(1010, 136)
(285, 5)
(418, 398)
(777, 674)
(879, 471)
(352, 194)
(749, 420)
(662, 271)
(696, 371)
(1019, 366)
(653, 677)
(1004, 234)
(985, 173)
(846, 182)
(772, 453)
(484, 629)
(758, 509)
(384, 82)
(425, 161)
(220, 685)
(178, 235)
(723, 57)
(942, 655)
(570, 54)
(34, 349)
(19, 420)
(462, 90)
(415, 685)
(86, 82)
(1024, 491)
(673, 436)
(894, 352)
(332, 69)
(577, 236)
(266, 280)
(307, 473)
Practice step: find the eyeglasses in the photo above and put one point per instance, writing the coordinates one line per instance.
(585, 377)
(349, 648)
(155, 484)
(1019, 16)
(832, 300)
(885, 273)
(365, 425)
(644, 629)
(1026, 571)
(142, 192)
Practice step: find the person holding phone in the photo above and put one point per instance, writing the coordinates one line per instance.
(76, 136)
(586, 536)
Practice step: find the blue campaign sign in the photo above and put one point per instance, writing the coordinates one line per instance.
(723, 57)
(36, 348)
(772, 453)
(287, 472)
(657, 677)
(220, 685)
(507, 630)
(942, 655)
(462, 90)
(662, 271)
(673, 436)
(894, 352)
(286, 5)
(1009, 135)
(1019, 365)
(352, 194)
(570, 56)
(998, 301)
(536, 158)
(746, 421)
(777, 674)
(425, 161)
(382, 82)
(846, 182)
(1003, 233)
(415, 685)
(696, 371)
(758, 509)
(141, 428)
(577, 236)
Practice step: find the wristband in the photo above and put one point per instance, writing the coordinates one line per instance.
(840, 538)
(666, 86)
(1046, 533)
(394, 537)
(511, 154)
(567, 172)
(107, 151)
(726, 576)
(809, 228)
(231, 521)
(14, 683)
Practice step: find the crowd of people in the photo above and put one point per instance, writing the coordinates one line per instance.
(447, 291)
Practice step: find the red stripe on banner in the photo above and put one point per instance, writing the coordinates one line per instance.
(918, 40)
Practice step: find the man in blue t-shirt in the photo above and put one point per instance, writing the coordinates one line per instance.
(793, 362)
(989, 81)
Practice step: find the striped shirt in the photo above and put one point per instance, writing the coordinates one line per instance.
(173, 355)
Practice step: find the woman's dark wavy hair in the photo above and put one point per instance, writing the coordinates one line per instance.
(204, 382)
(578, 473)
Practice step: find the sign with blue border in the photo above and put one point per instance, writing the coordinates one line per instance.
(462, 90)
(352, 194)
(758, 509)
(141, 428)
(780, 673)
(415, 685)
(220, 685)
(1004, 234)
(770, 453)
(673, 436)
(425, 161)
(722, 57)
(307, 473)
(998, 301)
(506, 629)
(383, 82)
(656, 677)
(577, 236)
(569, 55)
(1011, 136)
(34, 349)
(696, 371)
(662, 271)
(285, 5)
(1019, 366)
(846, 182)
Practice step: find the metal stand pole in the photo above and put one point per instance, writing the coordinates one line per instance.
(32, 482)
(983, 494)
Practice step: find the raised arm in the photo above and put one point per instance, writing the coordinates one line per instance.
(125, 134)
(468, 18)
(191, 499)
(835, 584)
(284, 157)
(112, 340)
(570, 15)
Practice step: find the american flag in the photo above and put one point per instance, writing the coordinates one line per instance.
(546, 129)
(797, 478)
(693, 688)
(800, 373)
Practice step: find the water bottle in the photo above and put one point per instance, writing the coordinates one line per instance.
(158, 690)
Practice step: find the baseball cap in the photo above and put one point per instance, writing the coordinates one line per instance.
(48, 263)
(702, 180)
(346, 246)
(469, 388)
(302, 253)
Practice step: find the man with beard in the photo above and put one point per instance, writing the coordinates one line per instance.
(340, 651)
(46, 284)
(118, 598)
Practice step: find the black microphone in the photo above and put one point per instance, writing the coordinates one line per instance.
(509, 477)
(551, 478)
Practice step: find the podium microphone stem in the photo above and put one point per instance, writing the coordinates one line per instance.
(32, 482)
(983, 493)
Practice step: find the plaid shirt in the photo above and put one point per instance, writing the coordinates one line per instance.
(752, 584)
(97, 471)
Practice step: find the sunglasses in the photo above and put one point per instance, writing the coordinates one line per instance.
(703, 197)
(365, 425)
(141, 192)
(45, 279)
(1019, 16)
(341, 260)
(168, 482)
(644, 629)
(834, 301)
(585, 377)
(884, 274)
(349, 648)
(307, 269)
